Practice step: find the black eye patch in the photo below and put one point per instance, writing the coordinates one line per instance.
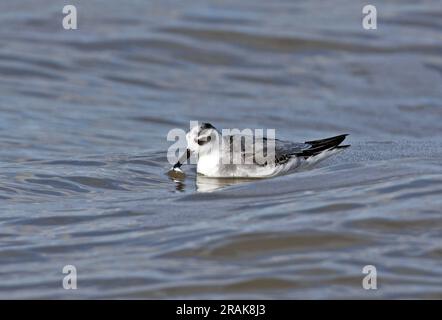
(204, 141)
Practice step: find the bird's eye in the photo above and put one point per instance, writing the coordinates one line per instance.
(209, 138)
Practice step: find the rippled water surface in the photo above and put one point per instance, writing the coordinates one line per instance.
(84, 116)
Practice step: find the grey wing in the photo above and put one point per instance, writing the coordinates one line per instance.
(283, 150)
(259, 153)
(309, 148)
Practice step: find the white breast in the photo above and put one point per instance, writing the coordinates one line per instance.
(209, 165)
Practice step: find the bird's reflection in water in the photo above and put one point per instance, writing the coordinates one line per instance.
(203, 183)
(178, 177)
(206, 184)
(179, 185)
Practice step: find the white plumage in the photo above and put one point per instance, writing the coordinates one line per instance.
(230, 156)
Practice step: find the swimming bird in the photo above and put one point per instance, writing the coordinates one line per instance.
(261, 157)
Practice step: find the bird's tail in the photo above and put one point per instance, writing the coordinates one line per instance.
(318, 146)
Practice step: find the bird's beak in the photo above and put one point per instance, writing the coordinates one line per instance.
(183, 159)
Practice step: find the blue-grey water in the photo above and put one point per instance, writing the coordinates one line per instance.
(84, 116)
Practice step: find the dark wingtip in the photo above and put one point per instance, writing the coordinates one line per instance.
(318, 146)
(328, 141)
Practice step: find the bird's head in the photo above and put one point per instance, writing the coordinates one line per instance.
(202, 138)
